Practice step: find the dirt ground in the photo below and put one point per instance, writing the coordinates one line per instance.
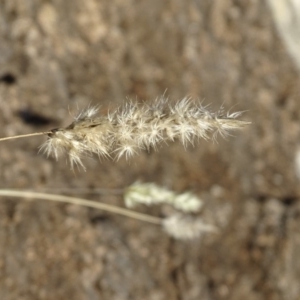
(59, 56)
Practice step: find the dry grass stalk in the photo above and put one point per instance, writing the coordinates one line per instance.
(125, 132)
(81, 202)
(179, 226)
(136, 127)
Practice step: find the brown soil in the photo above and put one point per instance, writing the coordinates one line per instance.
(56, 56)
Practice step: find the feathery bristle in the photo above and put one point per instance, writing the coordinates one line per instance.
(135, 127)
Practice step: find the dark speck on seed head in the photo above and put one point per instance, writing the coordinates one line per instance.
(53, 132)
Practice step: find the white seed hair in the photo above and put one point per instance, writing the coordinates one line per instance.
(135, 127)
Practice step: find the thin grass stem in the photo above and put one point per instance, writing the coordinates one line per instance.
(73, 190)
(23, 136)
(82, 202)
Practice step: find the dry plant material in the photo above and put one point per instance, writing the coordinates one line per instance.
(150, 194)
(125, 132)
(82, 202)
(136, 127)
(178, 226)
(181, 225)
(184, 227)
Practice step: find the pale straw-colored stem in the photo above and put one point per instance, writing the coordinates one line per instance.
(82, 202)
(74, 190)
(23, 136)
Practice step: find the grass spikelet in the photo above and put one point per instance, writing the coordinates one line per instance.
(183, 227)
(136, 127)
(150, 194)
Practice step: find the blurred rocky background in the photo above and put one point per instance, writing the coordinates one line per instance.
(57, 57)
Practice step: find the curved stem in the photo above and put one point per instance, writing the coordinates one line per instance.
(82, 202)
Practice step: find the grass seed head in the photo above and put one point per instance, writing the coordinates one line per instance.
(135, 127)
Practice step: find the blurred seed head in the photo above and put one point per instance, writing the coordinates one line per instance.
(151, 194)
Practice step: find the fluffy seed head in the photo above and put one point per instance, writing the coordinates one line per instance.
(136, 127)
